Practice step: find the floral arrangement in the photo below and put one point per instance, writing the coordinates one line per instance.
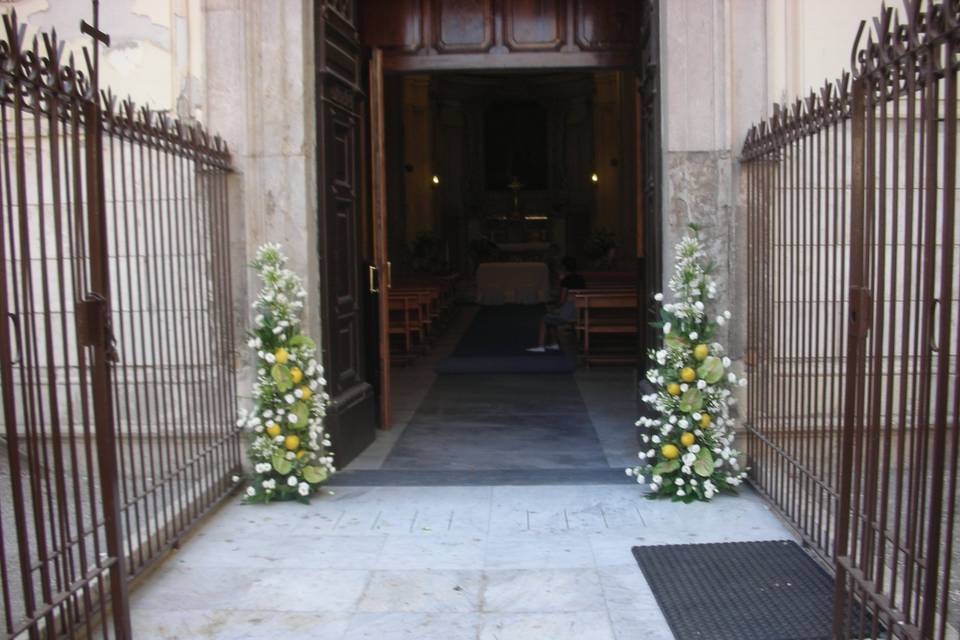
(690, 455)
(289, 449)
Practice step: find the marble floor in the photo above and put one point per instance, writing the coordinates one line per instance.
(531, 551)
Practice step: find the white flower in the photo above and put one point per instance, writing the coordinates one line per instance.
(278, 439)
(694, 448)
(694, 335)
(658, 297)
(628, 471)
(732, 377)
(727, 314)
(640, 479)
(292, 481)
(684, 386)
(679, 482)
(289, 455)
(721, 321)
(656, 439)
(666, 328)
(689, 459)
(743, 382)
(726, 361)
(235, 478)
(292, 418)
(654, 486)
(303, 489)
(681, 493)
(686, 470)
(698, 305)
(269, 357)
(701, 384)
(651, 453)
(251, 491)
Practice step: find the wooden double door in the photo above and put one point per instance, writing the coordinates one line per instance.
(356, 43)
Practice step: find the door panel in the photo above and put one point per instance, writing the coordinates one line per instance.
(378, 207)
(351, 417)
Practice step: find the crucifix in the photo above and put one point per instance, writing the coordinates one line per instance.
(98, 37)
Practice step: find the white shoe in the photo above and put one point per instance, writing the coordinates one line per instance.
(553, 347)
(536, 349)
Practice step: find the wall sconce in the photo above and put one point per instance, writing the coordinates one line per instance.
(594, 178)
(435, 180)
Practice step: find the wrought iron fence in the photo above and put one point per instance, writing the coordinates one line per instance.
(116, 343)
(853, 338)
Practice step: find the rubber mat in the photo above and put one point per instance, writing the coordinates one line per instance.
(769, 590)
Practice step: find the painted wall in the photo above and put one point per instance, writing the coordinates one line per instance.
(157, 47)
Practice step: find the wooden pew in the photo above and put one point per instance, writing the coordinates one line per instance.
(606, 312)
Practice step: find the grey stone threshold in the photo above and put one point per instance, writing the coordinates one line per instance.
(492, 477)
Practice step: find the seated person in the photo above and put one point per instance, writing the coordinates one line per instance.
(565, 311)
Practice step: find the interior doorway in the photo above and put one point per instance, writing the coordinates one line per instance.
(530, 66)
(493, 186)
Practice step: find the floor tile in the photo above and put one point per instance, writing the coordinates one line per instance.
(540, 590)
(423, 591)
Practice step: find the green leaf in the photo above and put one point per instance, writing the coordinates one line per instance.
(281, 375)
(703, 466)
(665, 467)
(675, 341)
(313, 475)
(301, 340)
(302, 412)
(280, 463)
(711, 370)
(691, 400)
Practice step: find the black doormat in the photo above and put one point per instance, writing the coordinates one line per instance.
(768, 590)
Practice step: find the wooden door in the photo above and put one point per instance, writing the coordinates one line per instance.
(649, 183)
(342, 234)
(378, 207)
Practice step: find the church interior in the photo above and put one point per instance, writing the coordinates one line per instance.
(494, 181)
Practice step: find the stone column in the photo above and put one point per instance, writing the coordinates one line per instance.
(260, 93)
(713, 86)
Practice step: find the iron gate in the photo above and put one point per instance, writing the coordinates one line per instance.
(853, 323)
(116, 342)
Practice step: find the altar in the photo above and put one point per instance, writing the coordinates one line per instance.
(512, 283)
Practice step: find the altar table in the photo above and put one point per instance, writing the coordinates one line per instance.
(512, 283)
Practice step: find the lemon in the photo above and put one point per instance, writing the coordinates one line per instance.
(302, 454)
(673, 389)
(705, 420)
(687, 439)
(273, 430)
(305, 393)
(281, 355)
(669, 451)
(701, 351)
(687, 374)
(292, 442)
(296, 375)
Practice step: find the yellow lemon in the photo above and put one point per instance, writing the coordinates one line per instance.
(281, 355)
(302, 454)
(687, 439)
(305, 393)
(669, 451)
(687, 374)
(673, 389)
(701, 351)
(704, 420)
(273, 430)
(296, 375)
(291, 443)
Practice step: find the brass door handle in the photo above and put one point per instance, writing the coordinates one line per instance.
(371, 273)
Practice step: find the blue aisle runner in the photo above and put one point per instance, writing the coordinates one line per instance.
(497, 342)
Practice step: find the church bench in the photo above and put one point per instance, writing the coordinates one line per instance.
(405, 314)
(606, 312)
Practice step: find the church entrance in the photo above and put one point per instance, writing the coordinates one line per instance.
(498, 176)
